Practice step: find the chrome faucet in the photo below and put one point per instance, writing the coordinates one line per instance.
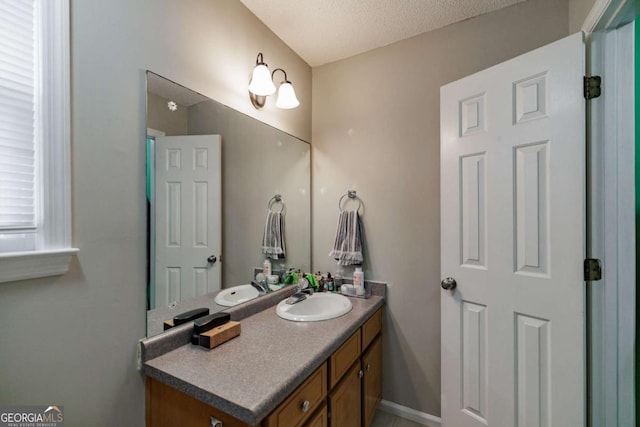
(261, 286)
(297, 297)
(301, 293)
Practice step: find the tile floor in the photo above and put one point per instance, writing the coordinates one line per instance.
(384, 419)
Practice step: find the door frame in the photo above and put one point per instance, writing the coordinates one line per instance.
(609, 33)
(151, 250)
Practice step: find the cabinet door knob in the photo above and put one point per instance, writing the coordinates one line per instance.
(360, 374)
(215, 422)
(305, 406)
(368, 367)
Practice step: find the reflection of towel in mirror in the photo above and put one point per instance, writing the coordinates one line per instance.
(273, 238)
(347, 247)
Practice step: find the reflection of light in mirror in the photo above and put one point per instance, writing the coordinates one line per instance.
(172, 106)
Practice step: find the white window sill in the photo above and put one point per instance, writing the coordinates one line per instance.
(30, 265)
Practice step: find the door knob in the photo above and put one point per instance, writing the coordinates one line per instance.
(448, 284)
(212, 259)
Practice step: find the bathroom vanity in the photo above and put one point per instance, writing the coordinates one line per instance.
(277, 373)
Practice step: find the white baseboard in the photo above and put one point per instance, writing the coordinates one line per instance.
(410, 414)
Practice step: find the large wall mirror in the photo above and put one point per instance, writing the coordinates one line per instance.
(213, 176)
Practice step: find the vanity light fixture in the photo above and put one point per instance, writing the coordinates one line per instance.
(286, 94)
(171, 105)
(261, 85)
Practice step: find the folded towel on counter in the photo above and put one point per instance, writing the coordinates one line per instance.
(273, 239)
(347, 247)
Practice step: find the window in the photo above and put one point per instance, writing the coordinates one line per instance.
(35, 196)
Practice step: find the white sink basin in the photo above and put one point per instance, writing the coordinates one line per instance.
(319, 306)
(236, 295)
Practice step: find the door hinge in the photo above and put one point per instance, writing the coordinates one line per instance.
(592, 86)
(592, 270)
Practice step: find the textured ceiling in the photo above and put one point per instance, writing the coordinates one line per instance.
(323, 31)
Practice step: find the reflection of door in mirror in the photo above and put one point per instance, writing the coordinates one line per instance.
(188, 205)
(257, 162)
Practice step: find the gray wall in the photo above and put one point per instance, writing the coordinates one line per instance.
(376, 130)
(258, 161)
(71, 340)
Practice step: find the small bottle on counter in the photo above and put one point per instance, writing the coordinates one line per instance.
(266, 267)
(358, 281)
(330, 283)
(320, 281)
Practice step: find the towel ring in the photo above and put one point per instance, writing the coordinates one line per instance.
(351, 194)
(277, 199)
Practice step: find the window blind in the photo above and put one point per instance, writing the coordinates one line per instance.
(18, 87)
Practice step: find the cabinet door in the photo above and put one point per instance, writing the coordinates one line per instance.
(372, 380)
(319, 419)
(345, 401)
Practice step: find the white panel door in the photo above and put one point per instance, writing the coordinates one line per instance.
(513, 224)
(188, 217)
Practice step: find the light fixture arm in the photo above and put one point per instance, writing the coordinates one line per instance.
(283, 72)
(260, 60)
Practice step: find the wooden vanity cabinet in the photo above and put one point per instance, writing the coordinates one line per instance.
(343, 392)
(300, 404)
(168, 407)
(354, 379)
(353, 401)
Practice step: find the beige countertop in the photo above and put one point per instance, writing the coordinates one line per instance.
(249, 376)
